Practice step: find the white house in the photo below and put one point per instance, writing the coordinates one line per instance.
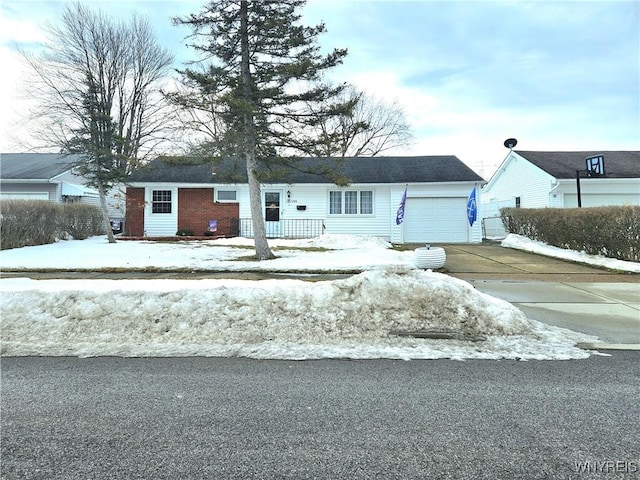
(549, 179)
(50, 177)
(168, 196)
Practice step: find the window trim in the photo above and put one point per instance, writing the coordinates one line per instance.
(225, 200)
(155, 203)
(344, 202)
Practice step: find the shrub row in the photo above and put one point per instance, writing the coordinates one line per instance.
(37, 222)
(609, 231)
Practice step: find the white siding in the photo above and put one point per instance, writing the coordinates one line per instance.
(597, 192)
(450, 198)
(160, 224)
(517, 177)
(315, 199)
(377, 224)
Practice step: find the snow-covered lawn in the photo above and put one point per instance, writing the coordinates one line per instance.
(344, 253)
(285, 319)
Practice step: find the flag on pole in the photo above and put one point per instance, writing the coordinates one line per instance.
(400, 214)
(472, 208)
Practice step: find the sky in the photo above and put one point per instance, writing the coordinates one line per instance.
(555, 75)
(272, 318)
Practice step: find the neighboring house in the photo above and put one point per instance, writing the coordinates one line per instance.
(51, 177)
(166, 196)
(548, 179)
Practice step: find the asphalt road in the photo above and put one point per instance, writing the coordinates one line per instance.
(224, 418)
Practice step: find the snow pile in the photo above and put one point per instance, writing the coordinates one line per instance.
(286, 319)
(524, 243)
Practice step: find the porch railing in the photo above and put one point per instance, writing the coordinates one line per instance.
(289, 228)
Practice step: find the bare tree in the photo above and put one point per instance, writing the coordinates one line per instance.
(199, 119)
(372, 127)
(97, 83)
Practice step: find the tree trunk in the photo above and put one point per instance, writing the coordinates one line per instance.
(105, 213)
(263, 252)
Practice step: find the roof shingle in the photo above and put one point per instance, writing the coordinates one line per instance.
(34, 166)
(625, 164)
(357, 169)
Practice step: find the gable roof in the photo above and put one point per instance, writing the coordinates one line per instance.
(564, 164)
(447, 168)
(34, 166)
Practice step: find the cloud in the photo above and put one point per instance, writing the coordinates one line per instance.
(554, 74)
(557, 75)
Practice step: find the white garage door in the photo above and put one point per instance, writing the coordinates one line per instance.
(24, 196)
(434, 220)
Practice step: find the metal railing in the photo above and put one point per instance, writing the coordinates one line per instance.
(289, 228)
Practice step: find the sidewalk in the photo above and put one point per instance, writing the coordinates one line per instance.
(578, 297)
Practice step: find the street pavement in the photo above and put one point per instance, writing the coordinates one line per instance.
(565, 294)
(234, 418)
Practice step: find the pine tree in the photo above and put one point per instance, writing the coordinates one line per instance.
(261, 72)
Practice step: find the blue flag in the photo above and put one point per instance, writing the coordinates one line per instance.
(472, 208)
(400, 214)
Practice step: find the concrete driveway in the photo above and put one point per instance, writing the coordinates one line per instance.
(557, 292)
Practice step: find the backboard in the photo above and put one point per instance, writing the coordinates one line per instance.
(595, 166)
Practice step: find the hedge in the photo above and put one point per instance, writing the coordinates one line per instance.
(609, 231)
(38, 222)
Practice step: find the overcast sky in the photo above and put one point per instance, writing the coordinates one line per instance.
(469, 74)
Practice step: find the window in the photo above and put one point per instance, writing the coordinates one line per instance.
(350, 203)
(355, 202)
(366, 202)
(161, 201)
(335, 203)
(227, 195)
(272, 206)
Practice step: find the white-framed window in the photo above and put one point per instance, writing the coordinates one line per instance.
(335, 203)
(226, 195)
(351, 202)
(161, 201)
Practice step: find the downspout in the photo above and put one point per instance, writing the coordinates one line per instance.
(553, 190)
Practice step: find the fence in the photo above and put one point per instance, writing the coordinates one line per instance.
(493, 228)
(289, 228)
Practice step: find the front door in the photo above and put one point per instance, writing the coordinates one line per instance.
(272, 213)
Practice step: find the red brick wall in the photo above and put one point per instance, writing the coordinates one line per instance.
(196, 207)
(134, 217)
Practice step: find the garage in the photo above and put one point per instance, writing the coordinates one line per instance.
(434, 220)
(24, 196)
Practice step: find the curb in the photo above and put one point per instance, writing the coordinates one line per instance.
(609, 346)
